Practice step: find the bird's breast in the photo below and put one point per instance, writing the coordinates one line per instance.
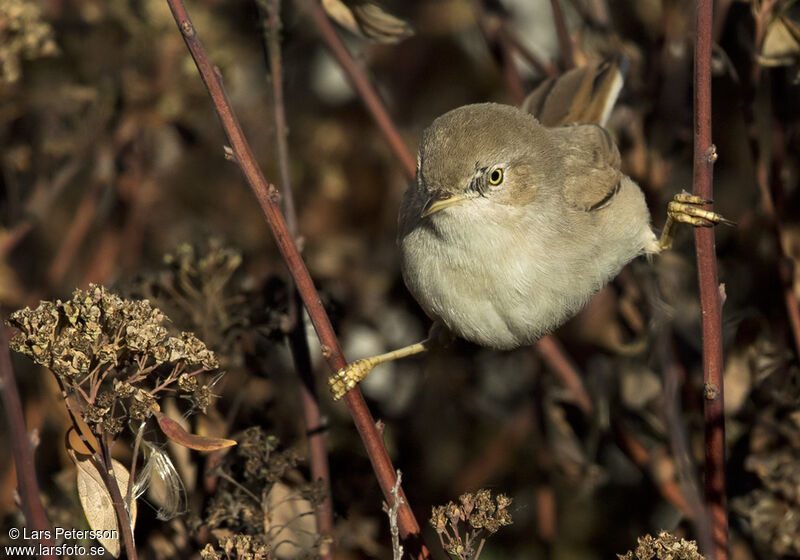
(504, 277)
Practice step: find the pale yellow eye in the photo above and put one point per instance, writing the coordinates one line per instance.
(496, 177)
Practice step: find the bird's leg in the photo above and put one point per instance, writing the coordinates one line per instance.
(346, 378)
(685, 208)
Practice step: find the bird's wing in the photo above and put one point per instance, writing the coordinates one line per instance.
(581, 95)
(591, 165)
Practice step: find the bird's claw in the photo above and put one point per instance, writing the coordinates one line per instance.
(348, 377)
(685, 208)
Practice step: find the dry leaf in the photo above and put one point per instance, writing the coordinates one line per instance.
(781, 45)
(289, 522)
(176, 433)
(96, 499)
(166, 489)
(368, 20)
(76, 443)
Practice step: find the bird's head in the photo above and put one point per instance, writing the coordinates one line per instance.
(487, 150)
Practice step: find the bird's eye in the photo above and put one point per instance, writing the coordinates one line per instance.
(496, 177)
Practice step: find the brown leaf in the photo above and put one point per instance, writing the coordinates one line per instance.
(76, 443)
(176, 433)
(96, 499)
(290, 522)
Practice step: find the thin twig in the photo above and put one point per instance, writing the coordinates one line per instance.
(673, 374)
(27, 485)
(768, 175)
(710, 296)
(564, 40)
(132, 475)
(106, 470)
(501, 47)
(71, 240)
(298, 344)
(595, 13)
(267, 196)
(391, 511)
(642, 458)
(556, 359)
(516, 43)
(63, 177)
(362, 85)
(720, 17)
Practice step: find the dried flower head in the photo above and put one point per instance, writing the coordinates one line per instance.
(255, 481)
(238, 547)
(114, 355)
(665, 547)
(24, 34)
(461, 526)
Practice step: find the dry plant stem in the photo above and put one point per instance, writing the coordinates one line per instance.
(132, 474)
(75, 234)
(106, 471)
(27, 485)
(361, 83)
(674, 375)
(710, 297)
(720, 17)
(785, 264)
(298, 344)
(501, 48)
(513, 40)
(17, 233)
(267, 197)
(762, 12)
(564, 40)
(642, 458)
(391, 511)
(14, 236)
(513, 79)
(595, 12)
(553, 354)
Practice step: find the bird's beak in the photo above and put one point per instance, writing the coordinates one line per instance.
(436, 204)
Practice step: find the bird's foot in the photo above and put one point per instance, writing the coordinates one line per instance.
(686, 208)
(349, 376)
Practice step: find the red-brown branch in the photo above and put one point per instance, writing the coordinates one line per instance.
(768, 175)
(267, 196)
(564, 40)
(361, 83)
(553, 354)
(645, 460)
(501, 47)
(710, 296)
(27, 485)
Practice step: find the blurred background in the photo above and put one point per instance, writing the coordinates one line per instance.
(112, 171)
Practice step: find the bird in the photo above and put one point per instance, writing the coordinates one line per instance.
(510, 226)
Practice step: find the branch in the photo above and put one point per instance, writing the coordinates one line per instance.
(710, 294)
(361, 83)
(564, 40)
(298, 343)
(106, 471)
(553, 354)
(768, 174)
(501, 48)
(267, 196)
(27, 485)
